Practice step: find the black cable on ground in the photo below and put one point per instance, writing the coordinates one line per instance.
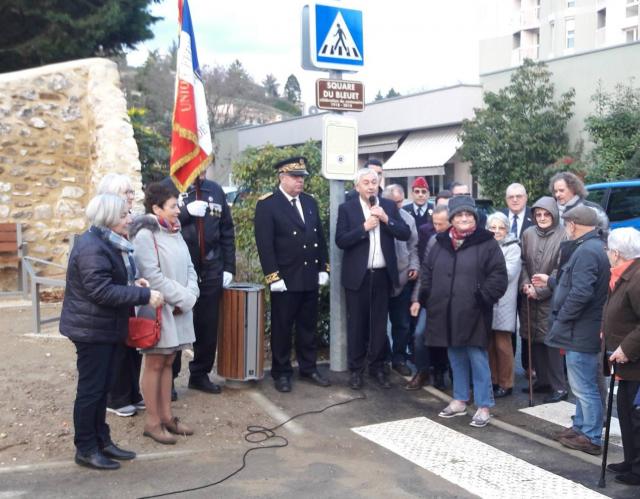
(257, 435)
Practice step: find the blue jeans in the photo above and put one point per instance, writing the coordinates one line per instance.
(420, 350)
(476, 358)
(582, 371)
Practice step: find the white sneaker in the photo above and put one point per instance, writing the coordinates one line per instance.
(140, 406)
(124, 412)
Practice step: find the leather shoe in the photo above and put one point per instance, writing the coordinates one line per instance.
(382, 379)
(356, 381)
(566, 433)
(316, 378)
(115, 452)
(628, 478)
(581, 443)
(556, 397)
(438, 381)
(96, 460)
(538, 389)
(161, 435)
(401, 368)
(418, 381)
(619, 467)
(282, 384)
(502, 392)
(177, 427)
(204, 384)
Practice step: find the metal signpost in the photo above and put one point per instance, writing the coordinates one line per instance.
(332, 39)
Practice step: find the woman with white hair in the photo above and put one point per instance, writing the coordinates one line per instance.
(101, 289)
(124, 396)
(621, 327)
(504, 312)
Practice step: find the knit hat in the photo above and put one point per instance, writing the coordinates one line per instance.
(420, 183)
(458, 204)
(582, 215)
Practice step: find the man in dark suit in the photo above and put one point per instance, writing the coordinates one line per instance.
(520, 219)
(517, 211)
(366, 230)
(294, 259)
(421, 209)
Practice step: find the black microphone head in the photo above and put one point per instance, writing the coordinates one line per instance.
(372, 200)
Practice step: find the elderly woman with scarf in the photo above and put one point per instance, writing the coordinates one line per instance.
(504, 312)
(621, 327)
(163, 259)
(463, 276)
(541, 245)
(101, 288)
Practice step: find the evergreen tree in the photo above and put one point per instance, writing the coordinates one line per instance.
(270, 85)
(292, 89)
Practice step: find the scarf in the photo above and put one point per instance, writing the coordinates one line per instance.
(458, 237)
(121, 244)
(617, 271)
(173, 228)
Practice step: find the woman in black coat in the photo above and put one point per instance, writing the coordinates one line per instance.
(100, 290)
(461, 279)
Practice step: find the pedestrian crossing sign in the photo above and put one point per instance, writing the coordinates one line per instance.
(336, 37)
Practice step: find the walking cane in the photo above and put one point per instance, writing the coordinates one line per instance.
(529, 352)
(607, 425)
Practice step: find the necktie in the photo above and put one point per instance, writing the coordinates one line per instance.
(419, 211)
(295, 208)
(514, 226)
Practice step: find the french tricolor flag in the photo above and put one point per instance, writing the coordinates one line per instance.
(191, 148)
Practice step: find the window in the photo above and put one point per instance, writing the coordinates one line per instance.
(602, 18)
(570, 29)
(632, 8)
(631, 34)
(571, 3)
(624, 203)
(597, 196)
(516, 40)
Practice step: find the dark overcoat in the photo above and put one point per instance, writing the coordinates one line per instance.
(459, 289)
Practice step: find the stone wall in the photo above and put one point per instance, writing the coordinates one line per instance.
(62, 128)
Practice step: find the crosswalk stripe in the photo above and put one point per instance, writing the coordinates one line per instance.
(560, 413)
(473, 465)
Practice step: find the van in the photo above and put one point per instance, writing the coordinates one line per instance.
(620, 200)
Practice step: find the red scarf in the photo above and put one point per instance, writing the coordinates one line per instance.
(458, 236)
(617, 271)
(168, 225)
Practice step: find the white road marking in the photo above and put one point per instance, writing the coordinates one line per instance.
(560, 413)
(473, 465)
(275, 412)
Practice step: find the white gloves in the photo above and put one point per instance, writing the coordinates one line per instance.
(197, 208)
(278, 286)
(227, 277)
(323, 278)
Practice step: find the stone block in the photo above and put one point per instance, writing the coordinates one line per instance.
(72, 192)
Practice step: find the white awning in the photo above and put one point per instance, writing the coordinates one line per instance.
(379, 143)
(424, 153)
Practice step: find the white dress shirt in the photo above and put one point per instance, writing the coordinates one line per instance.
(376, 258)
(520, 221)
(298, 204)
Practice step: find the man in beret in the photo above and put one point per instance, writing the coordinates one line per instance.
(421, 209)
(294, 258)
(579, 294)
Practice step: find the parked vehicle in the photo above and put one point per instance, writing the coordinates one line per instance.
(620, 200)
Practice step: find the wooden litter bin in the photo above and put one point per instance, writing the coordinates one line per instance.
(241, 342)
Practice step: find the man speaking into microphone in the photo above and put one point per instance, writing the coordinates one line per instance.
(366, 228)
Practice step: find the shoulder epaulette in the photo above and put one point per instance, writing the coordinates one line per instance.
(265, 196)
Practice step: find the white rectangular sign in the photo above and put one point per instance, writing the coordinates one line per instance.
(339, 147)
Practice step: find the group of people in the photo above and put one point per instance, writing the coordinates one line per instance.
(455, 285)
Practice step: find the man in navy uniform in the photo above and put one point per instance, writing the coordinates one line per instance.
(215, 264)
(421, 209)
(294, 259)
(366, 230)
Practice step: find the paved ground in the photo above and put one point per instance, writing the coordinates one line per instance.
(324, 458)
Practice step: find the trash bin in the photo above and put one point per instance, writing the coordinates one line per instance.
(241, 344)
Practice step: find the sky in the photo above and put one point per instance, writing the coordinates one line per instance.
(410, 45)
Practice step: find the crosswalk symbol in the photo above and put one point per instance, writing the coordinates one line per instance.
(339, 43)
(335, 37)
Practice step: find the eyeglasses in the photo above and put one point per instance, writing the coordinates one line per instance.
(516, 196)
(420, 191)
(130, 192)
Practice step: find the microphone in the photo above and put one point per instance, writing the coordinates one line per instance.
(372, 200)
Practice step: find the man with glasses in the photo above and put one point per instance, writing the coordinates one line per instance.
(517, 211)
(421, 209)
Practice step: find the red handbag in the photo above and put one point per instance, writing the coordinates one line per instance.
(144, 332)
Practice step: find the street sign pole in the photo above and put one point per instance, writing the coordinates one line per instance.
(338, 315)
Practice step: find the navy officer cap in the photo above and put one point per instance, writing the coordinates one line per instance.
(293, 166)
